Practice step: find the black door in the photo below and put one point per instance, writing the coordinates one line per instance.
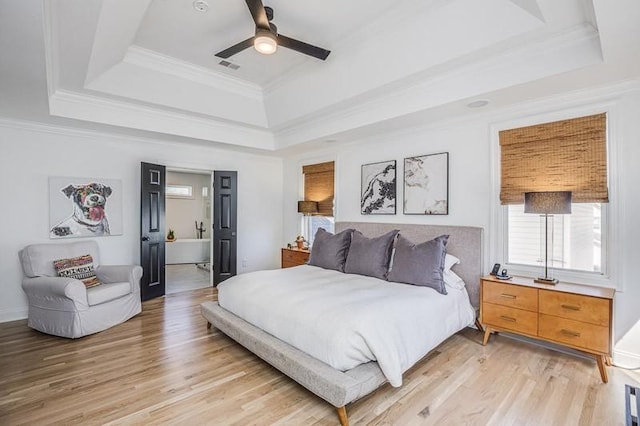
(152, 219)
(225, 209)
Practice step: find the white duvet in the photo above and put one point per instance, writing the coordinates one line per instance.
(345, 320)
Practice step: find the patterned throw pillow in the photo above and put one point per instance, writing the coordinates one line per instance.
(80, 268)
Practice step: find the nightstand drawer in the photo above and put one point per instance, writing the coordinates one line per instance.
(575, 333)
(510, 318)
(576, 307)
(510, 295)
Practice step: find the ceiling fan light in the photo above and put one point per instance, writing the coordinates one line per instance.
(265, 43)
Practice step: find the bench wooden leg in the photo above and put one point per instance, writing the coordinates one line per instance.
(602, 366)
(342, 415)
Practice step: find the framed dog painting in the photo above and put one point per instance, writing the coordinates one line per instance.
(84, 207)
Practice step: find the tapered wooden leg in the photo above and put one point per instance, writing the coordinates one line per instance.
(608, 361)
(602, 367)
(479, 326)
(208, 325)
(342, 415)
(487, 333)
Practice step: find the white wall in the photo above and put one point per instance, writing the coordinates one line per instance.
(473, 187)
(182, 213)
(29, 154)
(469, 174)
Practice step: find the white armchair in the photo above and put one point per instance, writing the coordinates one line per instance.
(64, 306)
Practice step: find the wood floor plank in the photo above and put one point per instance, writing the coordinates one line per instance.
(165, 367)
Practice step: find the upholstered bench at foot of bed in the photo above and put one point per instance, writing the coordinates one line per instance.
(334, 386)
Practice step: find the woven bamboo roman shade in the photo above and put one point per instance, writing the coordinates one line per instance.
(318, 186)
(568, 155)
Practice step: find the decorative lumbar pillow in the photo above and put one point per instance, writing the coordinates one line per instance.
(80, 268)
(329, 251)
(370, 256)
(420, 264)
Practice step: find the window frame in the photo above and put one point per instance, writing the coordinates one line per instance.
(563, 274)
(611, 238)
(306, 161)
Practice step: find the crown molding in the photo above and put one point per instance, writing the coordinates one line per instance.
(50, 47)
(118, 113)
(445, 85)
(157, 62)
(69, 131)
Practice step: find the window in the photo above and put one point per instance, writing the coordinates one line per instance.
(179, 191)
(568, 155)
(316, 222)
(319, 187)
(575, 240)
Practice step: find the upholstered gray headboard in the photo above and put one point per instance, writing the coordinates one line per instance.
(465, 242)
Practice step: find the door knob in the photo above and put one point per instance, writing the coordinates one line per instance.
(145, 238)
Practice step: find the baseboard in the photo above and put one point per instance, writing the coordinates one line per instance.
(7, 315)
(624, 359)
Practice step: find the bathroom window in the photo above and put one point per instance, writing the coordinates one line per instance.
(179, 191)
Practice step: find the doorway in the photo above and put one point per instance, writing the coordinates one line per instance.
(154, 235)
(188, 251)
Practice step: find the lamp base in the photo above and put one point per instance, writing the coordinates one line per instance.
(545, 280)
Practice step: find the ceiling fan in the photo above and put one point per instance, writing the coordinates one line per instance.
(267, 39)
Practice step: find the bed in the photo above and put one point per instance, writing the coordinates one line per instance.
(264, 302)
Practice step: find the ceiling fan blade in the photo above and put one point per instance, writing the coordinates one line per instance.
(236, 48)
(258, 13)
(302, 47)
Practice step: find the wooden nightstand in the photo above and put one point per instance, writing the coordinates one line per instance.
(294, 257)
(572, 315)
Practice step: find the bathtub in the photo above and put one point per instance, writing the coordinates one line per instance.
(185, 250)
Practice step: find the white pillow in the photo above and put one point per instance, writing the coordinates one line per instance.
(449, 277)
(452, 280)
(449, 261)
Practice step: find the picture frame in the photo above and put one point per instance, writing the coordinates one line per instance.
(426, 184)
(82, 207)
(378, 188)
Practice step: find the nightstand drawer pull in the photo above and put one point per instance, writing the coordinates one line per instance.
(571, 307)
(570, 333)
(506, 318)
(508, 296)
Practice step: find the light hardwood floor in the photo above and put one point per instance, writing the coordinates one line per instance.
(165, 367)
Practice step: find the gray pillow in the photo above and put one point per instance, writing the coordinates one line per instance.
(370, 256)
(329, 251)
(420, 264)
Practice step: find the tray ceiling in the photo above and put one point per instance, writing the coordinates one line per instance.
(149, 65)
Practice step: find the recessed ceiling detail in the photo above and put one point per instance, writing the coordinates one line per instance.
(388, 61)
